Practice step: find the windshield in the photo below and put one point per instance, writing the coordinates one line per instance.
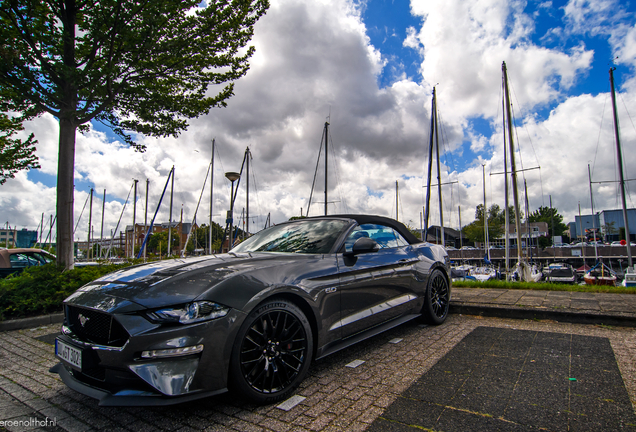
(303, 236)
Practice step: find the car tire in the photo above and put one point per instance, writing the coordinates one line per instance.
(272, 352)
(436, 299)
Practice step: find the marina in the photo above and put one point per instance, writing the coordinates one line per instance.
(614, 257)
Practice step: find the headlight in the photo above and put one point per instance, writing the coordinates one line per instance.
(190, 313)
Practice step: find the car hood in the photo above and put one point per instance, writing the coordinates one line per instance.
(173, 282)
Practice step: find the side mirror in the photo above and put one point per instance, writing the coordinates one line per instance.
(363, 245)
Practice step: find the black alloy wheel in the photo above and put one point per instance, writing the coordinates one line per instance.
(272, 352)
(437, 298)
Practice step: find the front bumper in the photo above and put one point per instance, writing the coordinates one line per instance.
(119, 376)
(126, 397)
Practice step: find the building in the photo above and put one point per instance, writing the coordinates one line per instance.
(13, 237)
(607, 222)
(529, 234)
(451, 236)
(583, 226)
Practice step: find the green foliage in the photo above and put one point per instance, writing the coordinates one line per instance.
(475, 230)
(158, 242)
(545, 241)
(609, 228)
(203, 236)
(15, 155)
(137, 66)
(40, 290)
(142, 67)
(549, 215)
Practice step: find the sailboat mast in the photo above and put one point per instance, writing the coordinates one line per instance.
(430, 167)
(397, 201)
(134, 236)
(90, 223)
(589, 174)
(326, 159)
(170, 217)
(101, 236)
(507, 195)
(513, 169)
(248, 156)
(439, 176)
(486, 247)
(619, 157)
(211, 195)
(145, 214)
(529, 236)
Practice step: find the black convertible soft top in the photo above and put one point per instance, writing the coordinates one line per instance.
(373, 219)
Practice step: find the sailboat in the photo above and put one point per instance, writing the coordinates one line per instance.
(434, 142)
(523, 269)
(600, 274)
(487, 271)
(326, 142)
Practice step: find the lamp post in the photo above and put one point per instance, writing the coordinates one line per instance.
(231, 176)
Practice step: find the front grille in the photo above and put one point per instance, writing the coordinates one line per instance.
(95, 326)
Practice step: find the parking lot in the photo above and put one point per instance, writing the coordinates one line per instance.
(360, 388)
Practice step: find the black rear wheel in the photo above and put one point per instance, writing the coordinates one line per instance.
(436, 299)
(272, 353)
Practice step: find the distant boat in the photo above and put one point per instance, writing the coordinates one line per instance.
(560, 273)
(484, 273)
(630, 277)
(600, 274)
(582, 270)
(460, 272)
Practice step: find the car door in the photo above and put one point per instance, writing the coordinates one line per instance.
(375, 287)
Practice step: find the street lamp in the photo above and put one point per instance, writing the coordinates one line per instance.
(231, 176)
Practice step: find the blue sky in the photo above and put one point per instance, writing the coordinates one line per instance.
(370, 67)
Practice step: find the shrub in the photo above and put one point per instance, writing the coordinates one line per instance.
(41, 290)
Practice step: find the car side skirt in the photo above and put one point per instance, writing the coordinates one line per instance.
(359, 337)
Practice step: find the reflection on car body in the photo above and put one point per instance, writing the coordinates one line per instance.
(251, 320)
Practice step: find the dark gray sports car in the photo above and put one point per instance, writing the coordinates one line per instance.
(251, 320)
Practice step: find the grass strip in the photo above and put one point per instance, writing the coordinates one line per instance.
(544, 286)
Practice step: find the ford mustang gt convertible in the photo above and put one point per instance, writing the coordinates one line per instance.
(252, 320)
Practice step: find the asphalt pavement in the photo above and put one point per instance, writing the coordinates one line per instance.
(504, 360)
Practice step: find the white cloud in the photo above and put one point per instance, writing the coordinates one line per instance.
(314, 62)
(465, 44)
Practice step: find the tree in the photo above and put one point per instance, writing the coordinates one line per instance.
(548, 215)
(475, 230)
(203, 236)
(15, 155)
(609, 229)
(158, 242)
(545, 241)
(136, 66)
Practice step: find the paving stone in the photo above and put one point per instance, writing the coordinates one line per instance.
(345, 399)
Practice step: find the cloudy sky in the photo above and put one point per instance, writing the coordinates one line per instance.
(369, 67)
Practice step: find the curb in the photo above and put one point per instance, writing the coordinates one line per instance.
(25, 323)
(583, 317)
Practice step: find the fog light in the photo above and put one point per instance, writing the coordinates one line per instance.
(172, 352)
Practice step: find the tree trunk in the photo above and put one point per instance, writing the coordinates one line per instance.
(65, 193)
